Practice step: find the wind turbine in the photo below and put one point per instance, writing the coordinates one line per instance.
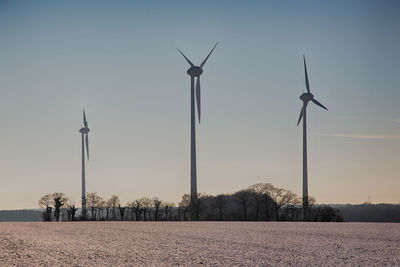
(306, 97)
(194, 71)
(85, 139)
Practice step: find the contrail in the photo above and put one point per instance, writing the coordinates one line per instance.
(364, 136)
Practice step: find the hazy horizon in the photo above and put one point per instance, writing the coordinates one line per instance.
(118, 60)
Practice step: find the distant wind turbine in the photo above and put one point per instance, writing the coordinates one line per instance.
(306, 97)
(194, 71)
(85, 139)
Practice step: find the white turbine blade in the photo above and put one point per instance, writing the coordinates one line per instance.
(190, 63)
(198, 96)
(87, 145)
(306, 74)
(84, 119)
(205, 60)
(301, 115)
(319, 104)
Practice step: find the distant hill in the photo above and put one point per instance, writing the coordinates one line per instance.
(370, 212)
(20, 215)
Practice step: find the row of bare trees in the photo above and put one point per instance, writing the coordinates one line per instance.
(259, 202)
(58, 207)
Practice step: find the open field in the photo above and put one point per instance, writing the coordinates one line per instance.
(199, 244)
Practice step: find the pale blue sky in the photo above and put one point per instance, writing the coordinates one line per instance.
(118, 60)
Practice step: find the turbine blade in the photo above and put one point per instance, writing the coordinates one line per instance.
(84, 119)
(87, 145)
(190, 63)
(205, 60)
(319, 104)
(305, 71)
(198, 96)
(301, 115)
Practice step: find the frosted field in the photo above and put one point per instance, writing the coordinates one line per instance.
(199, 244)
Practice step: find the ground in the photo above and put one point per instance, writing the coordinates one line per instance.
(199, 244)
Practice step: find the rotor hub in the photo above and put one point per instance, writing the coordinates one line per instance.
(195, 71)
(84, 130)
(307, 97)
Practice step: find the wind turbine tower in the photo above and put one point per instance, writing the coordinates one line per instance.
(306, 97)
(194, 72)
(85, 139)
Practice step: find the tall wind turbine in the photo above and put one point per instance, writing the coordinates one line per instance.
(306, 97)
(194, 71)
(85, 139)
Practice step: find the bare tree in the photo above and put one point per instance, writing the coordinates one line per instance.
(113, 202)
(147, 203)
(59, 200)
(107, 207)
(100, 209)
(93, 201)
(219, 204)
(138, 205)
(258, 197)
(184, 206)
(167, 208)
(64, 211)
(281, 197)
(156, 203)
(71, 210)
(311, 203)
(291, 201)
(243, 197)
(295, 208)
(201, 206)
(121, 211)
(46, 202)
(131, 206)
(264, 190)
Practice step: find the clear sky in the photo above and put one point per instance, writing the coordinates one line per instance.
(118, 60)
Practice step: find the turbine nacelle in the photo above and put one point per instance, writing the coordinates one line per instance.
(307, 97)
(84, 130)
(195, 71)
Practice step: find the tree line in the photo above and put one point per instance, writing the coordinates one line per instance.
(368, 212)
(259, 202)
